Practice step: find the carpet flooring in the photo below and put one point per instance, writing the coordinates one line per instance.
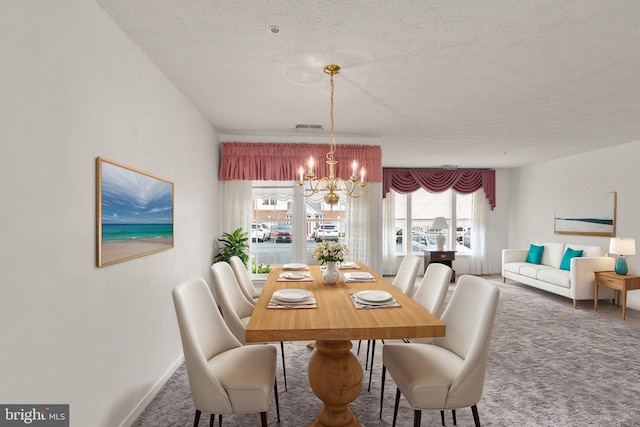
(549, 365)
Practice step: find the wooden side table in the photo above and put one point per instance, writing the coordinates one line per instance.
(615, 281)
(440, 257)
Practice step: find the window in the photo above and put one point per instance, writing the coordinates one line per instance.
(287, 225)
(416, 212)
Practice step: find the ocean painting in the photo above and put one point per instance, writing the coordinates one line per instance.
(602, 222)
(135, 213)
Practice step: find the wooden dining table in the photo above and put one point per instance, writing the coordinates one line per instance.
(335, 374)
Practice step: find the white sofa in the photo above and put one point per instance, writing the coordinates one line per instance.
(577, 283)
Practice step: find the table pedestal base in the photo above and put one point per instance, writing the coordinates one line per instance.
(335, 376)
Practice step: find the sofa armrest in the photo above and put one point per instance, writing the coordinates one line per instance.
(582, 274)
(514, 255)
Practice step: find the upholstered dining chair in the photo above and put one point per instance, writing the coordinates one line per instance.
(405, 281)
(236, 308)
(244, 280)
(432, 291)
(225, 377)
(431, 295)
(450, 373)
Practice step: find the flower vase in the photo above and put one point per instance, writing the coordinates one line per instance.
(331, 273)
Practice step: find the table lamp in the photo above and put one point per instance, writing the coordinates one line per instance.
(439, 223)
(621, 246)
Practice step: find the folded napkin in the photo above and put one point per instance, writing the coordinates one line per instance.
(350, 277)
(307, 303)
(360, 304)
(293, 277)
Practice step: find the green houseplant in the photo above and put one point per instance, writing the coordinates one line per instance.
(234, 244)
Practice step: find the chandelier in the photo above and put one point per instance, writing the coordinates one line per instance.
(310, 184)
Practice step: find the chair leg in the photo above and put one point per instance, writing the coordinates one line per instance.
(395, 407)
(373, 352)
(275, 393)
(442, 417)
(197, 419)
(384, 374)
(476, 417)
(453, 414)
(417, 415)
(263, 418)
(284, 368)
(212, 419)
(358, 352)
(366, 359)
(220, 420)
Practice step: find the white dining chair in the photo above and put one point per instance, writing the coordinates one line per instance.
(236, 308)
(450, 373)
(405, 281)
(430, 294)
(225, 377)
(244, 279)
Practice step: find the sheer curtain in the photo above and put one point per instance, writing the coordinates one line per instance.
(389, 233)
(364, 239)
(480, 260)
(237, 205)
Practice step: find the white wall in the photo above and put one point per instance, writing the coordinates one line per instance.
(537, 190)
(73, 87)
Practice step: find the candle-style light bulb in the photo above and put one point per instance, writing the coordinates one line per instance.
(355, 169)
(310, 165)
(301, 174)
(362, 175)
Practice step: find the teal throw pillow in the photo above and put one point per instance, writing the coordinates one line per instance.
(566, 259)
(535, 254)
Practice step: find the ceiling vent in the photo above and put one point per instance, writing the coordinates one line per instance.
(309, 127)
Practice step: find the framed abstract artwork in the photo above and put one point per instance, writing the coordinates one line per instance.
(134, 213)
(599, 219)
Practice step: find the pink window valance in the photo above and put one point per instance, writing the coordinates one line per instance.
(281, 161)
(463, 181)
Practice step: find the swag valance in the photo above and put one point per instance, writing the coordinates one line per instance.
(281, 161)
(464, 181)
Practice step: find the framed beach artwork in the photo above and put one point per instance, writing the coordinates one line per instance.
(134, 213)
(599, 219)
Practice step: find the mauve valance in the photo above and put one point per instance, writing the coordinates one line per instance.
(281, 162)
(463, 181)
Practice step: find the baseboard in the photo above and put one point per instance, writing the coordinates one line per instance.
(144, 402)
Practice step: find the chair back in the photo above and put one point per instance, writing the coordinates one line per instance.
(405, 279)
(469, 317)
(204, 334)
(244, 280)
(433, 288)
(232, 301)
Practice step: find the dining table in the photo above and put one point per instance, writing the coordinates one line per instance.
(333, 316)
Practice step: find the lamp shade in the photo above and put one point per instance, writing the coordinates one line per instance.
(622, 246)
(439, 223)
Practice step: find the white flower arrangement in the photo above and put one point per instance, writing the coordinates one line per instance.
(330, 252)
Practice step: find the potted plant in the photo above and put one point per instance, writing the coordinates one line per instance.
(234, 244)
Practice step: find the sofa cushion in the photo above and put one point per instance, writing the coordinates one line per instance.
(513, 267)
(532, 270)
(566, 259)
(555, 277)
(552, 254)
(535, 254)
(588, 250)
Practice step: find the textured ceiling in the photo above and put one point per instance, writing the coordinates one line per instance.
(469, 83)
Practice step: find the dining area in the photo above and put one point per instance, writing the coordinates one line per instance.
(310, 303)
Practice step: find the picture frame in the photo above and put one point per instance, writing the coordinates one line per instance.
(134, 213)
(597, 220)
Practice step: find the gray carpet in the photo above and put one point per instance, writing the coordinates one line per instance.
(550, 365)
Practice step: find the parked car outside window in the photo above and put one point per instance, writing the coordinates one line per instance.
(326, 232)
(257, 233)
(283, 233)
